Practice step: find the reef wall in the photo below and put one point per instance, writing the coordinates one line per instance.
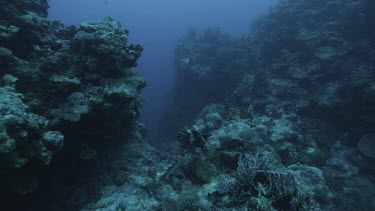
(205, 73)
(297, 131)
(67, 94)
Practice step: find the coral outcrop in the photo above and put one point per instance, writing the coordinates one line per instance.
(66, 92)
(203, 75)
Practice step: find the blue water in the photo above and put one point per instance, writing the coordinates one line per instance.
(158, 25)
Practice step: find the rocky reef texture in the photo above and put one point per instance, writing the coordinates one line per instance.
(238, 158)
(297, 131)
(208, 67)
(67, 93)
(293, 129)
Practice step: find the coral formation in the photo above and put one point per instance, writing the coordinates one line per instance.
(203, 76)
(296, 123)
(63, 90)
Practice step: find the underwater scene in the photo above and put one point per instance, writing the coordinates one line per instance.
(166, 105)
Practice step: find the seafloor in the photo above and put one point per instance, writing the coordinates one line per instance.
(282, 118)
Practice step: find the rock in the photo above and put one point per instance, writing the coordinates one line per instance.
(325, 53)
(367, 145)
(310, 182)
(232, 135)
(54, 140)
(203, 170)
(282, 130)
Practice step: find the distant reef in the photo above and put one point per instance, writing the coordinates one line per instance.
(208, 68)
(315, 55)
(67, 93)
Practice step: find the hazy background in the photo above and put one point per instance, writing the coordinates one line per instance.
(158, 24)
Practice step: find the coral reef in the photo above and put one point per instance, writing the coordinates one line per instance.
(296, 131)
(281, 119)
(64, 90)
(203, 76)
(292, 127)
(262, 173)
